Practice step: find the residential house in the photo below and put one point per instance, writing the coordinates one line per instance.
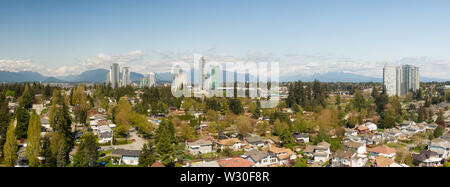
(372, 139)
(260, 158)
(105, 137)
(342, 158)
(22, 159)
(446, 136)
(103, 129)
(430, 126)
(254, 141)
(354, 139)
(406, 124)
(359, 148)
(358, 160)
(209, 164)
(200, 147)
(350, 132)
(38, 108)
(127, 157)
(382, 161)
(309, 150)
(235, 162)
(427, 159)
(371, 126)
(381, 151)
(284, 155)
(231, 143)
(301, 137)
(393, 132)
(322, 152)
(441, 147)
(362, 129)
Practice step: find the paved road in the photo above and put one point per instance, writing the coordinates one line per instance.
(137, 145)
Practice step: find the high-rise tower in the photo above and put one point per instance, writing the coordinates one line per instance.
(126, 76)
(401, 80)
(114, 75)
(390, 80)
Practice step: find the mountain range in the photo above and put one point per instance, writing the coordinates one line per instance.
(99, 75)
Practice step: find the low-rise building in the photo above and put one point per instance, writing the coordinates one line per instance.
(441, 147)
(260, 158)
(359, 148)
(427, 159)
(200, 147)
(381, 151)
(302, 137)
(235, 162)
(322, 152)
(284, 155)
(254, 141)
(382, 161)
(342, 158)
(231, 143)
(127, 157)
(205, 164)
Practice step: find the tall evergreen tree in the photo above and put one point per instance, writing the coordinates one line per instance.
(34, 140)
(61, 160)
(26, 100)
(147, 156)
(4, 121)
(87, 153)
(235, 106)
(49, 160)
(10, 148)
(23, 119)
(60, 122)
(165, 147)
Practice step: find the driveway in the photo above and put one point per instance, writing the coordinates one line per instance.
(137, 145)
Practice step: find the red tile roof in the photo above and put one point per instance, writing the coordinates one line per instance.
(158, 164)
(382, 149)
(235, 162)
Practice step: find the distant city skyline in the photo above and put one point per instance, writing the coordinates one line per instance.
(401, 80)
(69, 37)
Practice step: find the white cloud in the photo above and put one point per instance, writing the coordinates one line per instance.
(290, 64)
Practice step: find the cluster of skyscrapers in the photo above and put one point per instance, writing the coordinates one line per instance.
(208, 77)
(400, 80)
(113, 77)
(148, 80)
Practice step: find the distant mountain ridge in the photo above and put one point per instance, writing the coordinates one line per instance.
(99, 75)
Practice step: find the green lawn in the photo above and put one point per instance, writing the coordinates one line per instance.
(395, 145)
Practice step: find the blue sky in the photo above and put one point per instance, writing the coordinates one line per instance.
(67, 37)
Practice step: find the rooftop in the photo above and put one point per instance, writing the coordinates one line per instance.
(382, 149)
(235, 162)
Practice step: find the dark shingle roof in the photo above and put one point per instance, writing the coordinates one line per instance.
(301, 135)
(254, 140)
(256, 155)
(124, 152)
(106, 134)
(424, 155)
